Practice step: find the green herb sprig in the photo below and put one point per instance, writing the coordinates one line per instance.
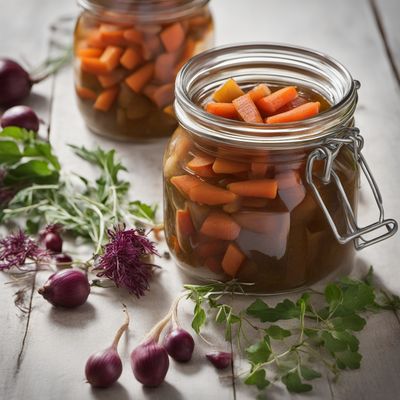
(316, 332)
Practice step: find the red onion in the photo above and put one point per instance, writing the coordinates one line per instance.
(21, 116)
(105, 367)
(220, 359)
(179, 345)
(63, 258)
(53, 242)
(67, 288)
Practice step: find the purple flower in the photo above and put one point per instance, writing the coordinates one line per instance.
(125, 260)
(16, 248)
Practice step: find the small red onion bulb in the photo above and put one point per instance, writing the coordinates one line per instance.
(220, 359)
(179, 344)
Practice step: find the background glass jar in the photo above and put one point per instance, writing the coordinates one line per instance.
(127, 55)
(285, 240)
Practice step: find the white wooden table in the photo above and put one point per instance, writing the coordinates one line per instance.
(43, 352)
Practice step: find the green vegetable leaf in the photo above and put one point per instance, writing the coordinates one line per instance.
(294, 384)
(308, 373)
(259, 352)
(351, 341)
(284, 310)
(143, 210)
(333, 296)
(348, 359)
(258, 379)
(352, 322)
(16, 133)
(278, 333)
(199, 318)
(9, 152)
(333, 344)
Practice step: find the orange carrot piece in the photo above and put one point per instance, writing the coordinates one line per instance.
(199, 162)
(174, 244)
(173, 37)
(211, 248)
(112, 38)
(226, 110)
(266, 188)
(258, 170)
(164, 95)
(140, 78)
(184, 226)
(213, 265)
(152, 47)
(89, 52)
(260, 91)
(132, 36)
(94, 39)
(131, 58)
(220, 226)
(270, 104)
(228, 92)
(185, 183)
(233, 207)
(111, 57)
(300, 113)
(106, 99)
(211, 195)
(247, 109)
(85, 93)
(111, 79)
(298, 101)
(222, 166)
(94, 66)
(232, 260)
(164, 67)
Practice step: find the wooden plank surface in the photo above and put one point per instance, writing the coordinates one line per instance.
(58, 342)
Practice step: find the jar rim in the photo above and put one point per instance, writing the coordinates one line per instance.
(145, 10)
(223, 59)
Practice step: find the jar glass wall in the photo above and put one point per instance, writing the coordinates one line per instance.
(278, 242)
(127, 55)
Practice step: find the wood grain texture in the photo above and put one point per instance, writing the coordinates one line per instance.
(58, 342)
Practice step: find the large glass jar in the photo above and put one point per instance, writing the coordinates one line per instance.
(127, 55)
(307, 228)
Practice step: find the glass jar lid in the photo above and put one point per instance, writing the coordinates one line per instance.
(276, 64)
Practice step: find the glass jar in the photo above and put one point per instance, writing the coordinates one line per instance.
(127, 55)
(303, 232)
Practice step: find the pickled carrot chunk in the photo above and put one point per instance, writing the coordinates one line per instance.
(112, 38)
(85, 93)
(111, 79)
(174, 244)
(131, 58)
(213, 265)
(90, 52)
(298, 101)
(111, 57)
(261, 90)
(140, 78)
(220, 226)
(201, 164)
(247, 109)
(106, 99)
(164, 95)
(94, 66)
(273, 223)
(232, 260)
(270, 104)
(258, 170)
(226, 110)
(233, 207)
(185, 183)
(169, 110)
(152, 47)
(164, 67)
(94, 39)
(132, 36)
(173, 37)
(184, 227)
(222, 166)
(300, 113)
(228, 92)
(266, 188)
(211, 248)
(211, 195)
(188, 51)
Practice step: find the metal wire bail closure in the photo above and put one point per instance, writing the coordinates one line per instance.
(328, 152)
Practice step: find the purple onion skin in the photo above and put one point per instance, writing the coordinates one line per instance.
(67, 288)
(53, 242)
(62, 258)
(220, 359)
(21, 116)
(179, 345)
(150, 363)
(103, 368)
(15, 83)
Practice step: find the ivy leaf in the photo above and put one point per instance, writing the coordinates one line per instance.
(284, 310)
(278, 333)
(294, 384)
(332, 344)
(348, 359)
(259, 352)
(257, 378)
(352, 322)
(308, 373)
(199, 318)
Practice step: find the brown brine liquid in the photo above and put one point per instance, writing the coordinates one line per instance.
(286, 241)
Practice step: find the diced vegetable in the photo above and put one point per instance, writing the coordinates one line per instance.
(184, 227)
(173, 37)
(152, 47)
(112, 78)
(185, 183)
(220, 226)
(258, 170)
(164, 67)
(202, 165)
(112, 37)
(270, 104)
(213, 265)
(211, 195)
(94, 66)
(89, 52)
(94, 39)
(85, 93)
(298, 101)
(106, 99)
(247, 109)
(211, 248)
(131, 58)
(255, 188)
(228, 92)
(226, 110)
(223, 166)
(262, 221)
(233, 207)
(132, 36)
(305, 111)
(232, 260)
(111, 57)
(164, 95)
(140, 78)
(260, 91)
